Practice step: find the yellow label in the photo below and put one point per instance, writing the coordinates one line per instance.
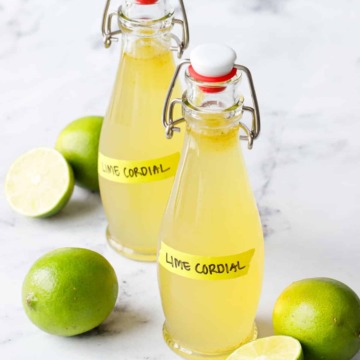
(205, 267)
(128, 171)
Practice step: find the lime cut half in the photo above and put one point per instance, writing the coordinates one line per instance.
(269, 348)
(39, 183)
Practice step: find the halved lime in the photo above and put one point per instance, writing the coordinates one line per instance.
(39, 183)
(269, 348)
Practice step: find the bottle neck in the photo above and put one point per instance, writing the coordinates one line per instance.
(212, 109)
(213, 96)
(211, 117)
(144, 37)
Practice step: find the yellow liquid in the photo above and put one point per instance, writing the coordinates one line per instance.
(211, 212)
(133, 130)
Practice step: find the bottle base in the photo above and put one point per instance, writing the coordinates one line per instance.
(186, 353)
(128, 252)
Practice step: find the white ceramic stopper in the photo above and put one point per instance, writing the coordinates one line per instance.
(213, 59)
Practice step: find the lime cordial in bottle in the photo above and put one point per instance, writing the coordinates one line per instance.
(211, 252)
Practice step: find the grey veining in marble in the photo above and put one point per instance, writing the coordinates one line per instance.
(305, 167)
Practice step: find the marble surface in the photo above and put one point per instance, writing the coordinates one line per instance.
(305, 168)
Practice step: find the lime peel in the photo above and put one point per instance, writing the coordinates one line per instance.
(323, 314)
(69, 291)
(79, 144)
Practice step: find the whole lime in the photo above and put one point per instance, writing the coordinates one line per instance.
(69, 291)
(79, 143)
(323, 314)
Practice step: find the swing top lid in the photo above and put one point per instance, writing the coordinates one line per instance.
(212, 62)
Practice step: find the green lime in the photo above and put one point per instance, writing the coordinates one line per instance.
(323, 314)
(79, 143)
(39, 183)
(269, 348)
(69, 291)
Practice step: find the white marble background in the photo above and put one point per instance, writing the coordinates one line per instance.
(305, 168)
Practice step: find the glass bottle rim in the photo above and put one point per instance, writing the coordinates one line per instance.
(125, 21)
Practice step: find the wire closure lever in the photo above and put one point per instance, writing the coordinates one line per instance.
(170, 123)
(252, 134)
(168, 110)
(110, 35)
(184, 43)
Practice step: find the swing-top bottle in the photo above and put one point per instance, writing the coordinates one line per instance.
(136, 164)
(211, 243)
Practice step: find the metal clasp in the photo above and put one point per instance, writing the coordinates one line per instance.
(110, 35)
(181, 45)
(252, 134)
(168, 110)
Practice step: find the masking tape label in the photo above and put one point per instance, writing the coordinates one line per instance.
(128, 171)
(205, 267)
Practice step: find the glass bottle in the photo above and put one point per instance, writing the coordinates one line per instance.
(211, 243)
(136, 164)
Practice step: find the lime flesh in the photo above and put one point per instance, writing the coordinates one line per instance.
(269, 348)
(39, 183)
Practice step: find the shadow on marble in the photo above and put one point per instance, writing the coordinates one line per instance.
(264, 326)
(273, 221)
(79, 208)
(122, 319)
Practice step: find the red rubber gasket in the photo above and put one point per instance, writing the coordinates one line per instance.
(210, 79)
(199, 77)
(146, 2)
